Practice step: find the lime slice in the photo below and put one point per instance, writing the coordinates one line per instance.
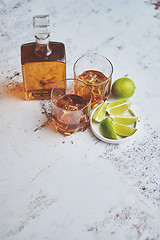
(127, 120)
(118, 107)
(117, 102)
(124, 130)
(100, 113)
(107, 129)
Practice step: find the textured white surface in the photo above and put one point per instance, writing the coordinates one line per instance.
(77, 187)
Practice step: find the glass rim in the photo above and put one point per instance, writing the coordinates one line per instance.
(96, 54)
(73, 79)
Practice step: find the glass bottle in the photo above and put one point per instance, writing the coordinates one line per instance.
(43, 61)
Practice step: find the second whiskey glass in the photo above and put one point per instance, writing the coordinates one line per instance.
(96, 71)
(71, 104)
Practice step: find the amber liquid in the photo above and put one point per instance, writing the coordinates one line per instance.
(100, 85)
(70, 114)
(41, 73)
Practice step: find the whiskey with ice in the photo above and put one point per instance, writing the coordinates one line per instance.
(96, 71)
(67, 113)
(100, 85)
(71, 105)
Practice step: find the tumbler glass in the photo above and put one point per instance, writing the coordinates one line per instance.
(96, 71)
(71, 104)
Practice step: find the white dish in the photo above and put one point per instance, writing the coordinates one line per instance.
(95, 127)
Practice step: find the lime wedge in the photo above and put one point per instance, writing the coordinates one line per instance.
(124, 130)
(118, 107)
(107, 129)
(117, 102)
(100, 113)
(126, 120)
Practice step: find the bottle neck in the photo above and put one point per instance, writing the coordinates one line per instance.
(42, 35)
(42, 48)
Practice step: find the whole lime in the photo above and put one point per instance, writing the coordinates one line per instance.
(123, 88)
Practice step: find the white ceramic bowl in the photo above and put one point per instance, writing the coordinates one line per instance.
(95, 127)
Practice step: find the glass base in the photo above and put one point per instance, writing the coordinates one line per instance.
(67, 132)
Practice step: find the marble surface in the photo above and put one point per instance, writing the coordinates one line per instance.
(77, 187)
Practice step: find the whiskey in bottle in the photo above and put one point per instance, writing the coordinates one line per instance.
(43, 61)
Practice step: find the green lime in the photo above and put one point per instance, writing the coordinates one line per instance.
(126, 120)
(123, 88)
(118, 107)
(123, 130)
(107, 129)
(116, 102)
(100, 113)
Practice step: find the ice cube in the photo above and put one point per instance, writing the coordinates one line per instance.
(93, 79)
(71, 108)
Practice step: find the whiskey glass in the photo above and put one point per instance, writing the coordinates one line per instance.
(71, 105)
(96, 71)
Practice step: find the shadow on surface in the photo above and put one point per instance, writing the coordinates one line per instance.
(12, 88)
